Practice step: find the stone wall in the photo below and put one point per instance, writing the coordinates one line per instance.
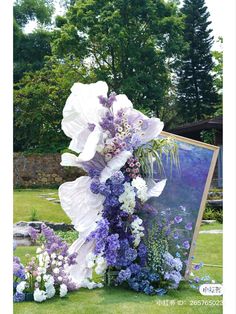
(42, 170)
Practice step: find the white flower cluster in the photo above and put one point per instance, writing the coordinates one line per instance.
(49, 285)
(41, 295)
(50, 291)
(43, 280)
(127, 198)
(141, 187)
(21, 286)
(99, 261)
(86, 283)
(137, 230)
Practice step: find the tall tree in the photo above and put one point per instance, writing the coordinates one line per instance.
(196, 96)
(131, 44)
(39, 99)
(30, 49)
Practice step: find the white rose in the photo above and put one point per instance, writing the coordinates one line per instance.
(60, 257)
(90, 257)
(100, 260)
(59, 278)
(56, 270)
(100, 270)
(53, 255)
(53, 262)
(59, 263)
(49, 283)
(50, 292)
(90, 264)
(21, 286)
(39, 295)
(63, 290)
(91, 285)
(38, 278)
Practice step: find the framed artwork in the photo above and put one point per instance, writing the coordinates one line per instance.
(183, 199)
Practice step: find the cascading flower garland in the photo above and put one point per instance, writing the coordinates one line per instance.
(106, 206)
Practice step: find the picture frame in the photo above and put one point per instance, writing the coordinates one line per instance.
(199, 153)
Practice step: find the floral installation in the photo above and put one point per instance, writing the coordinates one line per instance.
(117, 146)
(45, 274)
(123, 237)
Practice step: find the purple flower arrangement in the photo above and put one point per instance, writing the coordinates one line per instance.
(116, 145)
(46, 274)
(119, 236)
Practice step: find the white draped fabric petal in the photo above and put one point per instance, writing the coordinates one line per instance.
(154, 126)
(80, 204)
(82, 108)
(122, 102)
(83, 207)
(115, 164)
(155, 188)
(80, 271)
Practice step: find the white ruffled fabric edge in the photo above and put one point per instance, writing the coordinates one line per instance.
(155, 188)
(84, 209)
(115, 164)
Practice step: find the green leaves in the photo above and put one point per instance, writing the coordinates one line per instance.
(39, 99)
(126, 43)
(154, 151)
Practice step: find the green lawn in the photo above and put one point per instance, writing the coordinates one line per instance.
(27, 200)
(118, 300)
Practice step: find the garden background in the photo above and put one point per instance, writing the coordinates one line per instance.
(158, 53)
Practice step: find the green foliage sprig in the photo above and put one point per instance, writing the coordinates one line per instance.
(157, 246)
(154, 151)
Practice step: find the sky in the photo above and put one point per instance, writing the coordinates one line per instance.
(215, 8)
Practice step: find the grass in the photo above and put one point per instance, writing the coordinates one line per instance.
(26, 201)
(213, 226)
(119, 300)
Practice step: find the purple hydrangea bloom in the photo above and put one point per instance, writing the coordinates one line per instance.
(94, 186)
(112, 247)
(94, 173)
(19, 297)
(18, 268)
(175, 277)
(111, 201)
(124, 275)
(117, 189)
(100, 235)
(142, 251)
(135, 268)
(104, 189)
(117, 178)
